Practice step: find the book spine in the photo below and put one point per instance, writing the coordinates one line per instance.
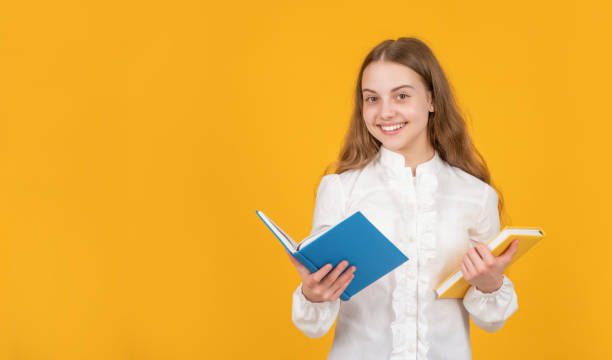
(301, 258)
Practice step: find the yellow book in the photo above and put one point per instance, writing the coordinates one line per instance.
(455, 286)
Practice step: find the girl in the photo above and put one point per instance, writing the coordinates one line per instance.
(409, 166)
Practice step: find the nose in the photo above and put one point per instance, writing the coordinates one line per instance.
(387, 111)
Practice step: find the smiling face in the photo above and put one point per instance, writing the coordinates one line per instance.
(396, 107)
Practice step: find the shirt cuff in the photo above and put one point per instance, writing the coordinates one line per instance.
(505, 282)
(492, 307)
(304, 302)
(313, 318)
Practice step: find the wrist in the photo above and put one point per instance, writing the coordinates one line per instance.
(491, 289)
(308, 298)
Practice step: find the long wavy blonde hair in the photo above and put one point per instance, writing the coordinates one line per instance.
(446, 127)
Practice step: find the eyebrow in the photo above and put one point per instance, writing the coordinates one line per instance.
(392, 90)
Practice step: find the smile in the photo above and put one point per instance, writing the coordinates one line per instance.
(392, 129)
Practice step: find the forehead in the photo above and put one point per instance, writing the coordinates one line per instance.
(383, 76)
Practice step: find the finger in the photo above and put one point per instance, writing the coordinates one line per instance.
(468, 264)
(510, 251)
(332, 276)
(476, 260)
(340, 290)
(319, 274)
(464, 270)
(342, 279)
(302, 270)
(485, 254)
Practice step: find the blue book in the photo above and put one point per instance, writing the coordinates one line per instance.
(355, 240)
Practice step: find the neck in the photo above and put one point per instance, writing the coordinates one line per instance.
(415, 157)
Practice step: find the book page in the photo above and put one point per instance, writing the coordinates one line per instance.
(282, 236)
(294, 245)
(312, 237)
(511, 232)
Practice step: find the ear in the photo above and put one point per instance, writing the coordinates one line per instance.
(430, 101)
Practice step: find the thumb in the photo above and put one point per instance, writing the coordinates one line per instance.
(302, 270)
(507, 256)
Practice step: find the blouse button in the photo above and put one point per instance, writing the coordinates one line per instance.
(410, 348)
(411, 275)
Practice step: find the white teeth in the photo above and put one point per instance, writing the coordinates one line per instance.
(393, 127)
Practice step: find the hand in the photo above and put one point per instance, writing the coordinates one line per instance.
(485, 271)
(324, 285)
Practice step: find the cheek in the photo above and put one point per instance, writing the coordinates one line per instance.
(415, 114)
(410, 110)
(369, 115)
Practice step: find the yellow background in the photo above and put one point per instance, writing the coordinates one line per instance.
(138, 138)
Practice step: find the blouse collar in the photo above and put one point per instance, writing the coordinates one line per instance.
(396, 163)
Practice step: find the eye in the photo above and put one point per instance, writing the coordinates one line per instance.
(371, 97)
(403, 96)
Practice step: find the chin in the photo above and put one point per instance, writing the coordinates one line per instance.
(395, 146)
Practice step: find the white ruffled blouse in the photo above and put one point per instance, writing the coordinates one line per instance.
(431, 218)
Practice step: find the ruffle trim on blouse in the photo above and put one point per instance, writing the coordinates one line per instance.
(402, 302)
(426, 232)
(427, 185)
(426, 217)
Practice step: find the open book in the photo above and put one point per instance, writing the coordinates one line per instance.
(354, 239)
(455, 286)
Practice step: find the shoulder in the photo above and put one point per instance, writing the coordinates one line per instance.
(355, 179)
(350, 176)
(458, 181)
(343, 182)
(333, 183)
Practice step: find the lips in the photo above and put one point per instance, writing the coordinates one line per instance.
(391, 129)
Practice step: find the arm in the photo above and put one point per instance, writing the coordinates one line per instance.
(491, 299)
(316, 300)
(489, 311)
(313, 318)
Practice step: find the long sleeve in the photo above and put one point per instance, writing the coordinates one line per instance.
(315, 319)
(489, 311)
